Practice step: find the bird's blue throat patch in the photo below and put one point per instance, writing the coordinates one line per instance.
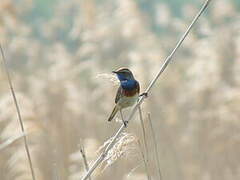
(129, 84)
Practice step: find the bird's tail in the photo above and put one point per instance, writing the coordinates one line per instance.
(114, 112)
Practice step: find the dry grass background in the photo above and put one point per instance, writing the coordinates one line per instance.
(55, 63)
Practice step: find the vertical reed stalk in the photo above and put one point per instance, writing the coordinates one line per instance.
(18, 113)
(144, 160)
(155, 147)
(144, 135)
(84, 156)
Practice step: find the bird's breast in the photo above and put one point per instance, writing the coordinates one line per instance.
(127, 101)
(130, 93)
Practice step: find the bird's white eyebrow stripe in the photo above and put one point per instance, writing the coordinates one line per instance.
(123, 70)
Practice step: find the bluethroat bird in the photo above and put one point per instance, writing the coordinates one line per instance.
(128, 92)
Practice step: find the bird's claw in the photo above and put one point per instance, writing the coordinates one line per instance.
(145, 94)
(125, 123)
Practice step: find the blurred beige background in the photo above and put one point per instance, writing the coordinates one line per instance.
(61, 54)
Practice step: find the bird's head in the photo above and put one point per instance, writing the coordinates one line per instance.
(124, 74)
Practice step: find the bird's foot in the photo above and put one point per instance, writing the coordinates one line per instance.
(145, 94)
(125, 123)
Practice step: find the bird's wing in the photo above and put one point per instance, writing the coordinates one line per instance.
(119, 94)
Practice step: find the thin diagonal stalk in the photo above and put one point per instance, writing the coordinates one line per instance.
(141, 99)
(144, 160)
(83, 153)
(18, 113)
(144, 135)
(155, 147)
(169, 58)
